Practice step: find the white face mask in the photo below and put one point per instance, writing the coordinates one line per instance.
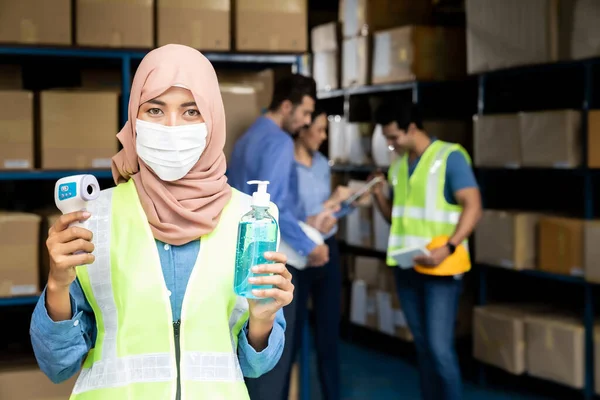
(171, 151)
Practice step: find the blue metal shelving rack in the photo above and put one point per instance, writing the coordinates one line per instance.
(588, 317)
(126, 58)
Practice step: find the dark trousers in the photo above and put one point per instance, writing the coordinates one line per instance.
(430, 304)
(324, 284)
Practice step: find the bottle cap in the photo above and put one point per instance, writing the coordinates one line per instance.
(260, 198)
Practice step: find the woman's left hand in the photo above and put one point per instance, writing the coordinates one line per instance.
(280, 295)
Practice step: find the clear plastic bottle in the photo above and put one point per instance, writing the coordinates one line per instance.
(257, 234)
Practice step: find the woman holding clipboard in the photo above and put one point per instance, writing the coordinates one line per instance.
(322, 283)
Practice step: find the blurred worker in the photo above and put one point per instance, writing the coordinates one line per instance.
(323, 284)
(266, 152)
(150, 312)
(435, 203)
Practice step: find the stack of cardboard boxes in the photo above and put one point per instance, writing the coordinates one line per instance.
(374, 301)
(525, 240)
(75, 128)
(255, 25)
(515, 33)
(386, 41)
(528, 338)
(531, 139)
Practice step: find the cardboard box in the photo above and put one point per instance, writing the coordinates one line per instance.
(115, 23)
(507, 239)
(363, 305)
(367, 269)
(423, 53)
(560, 248)
(45, 22)
(591, 262)
(271, 25)
(336, 139)
(499, 337)
(11, 77)
(326, 70)
(556, 349)
(510, 33)
(28, 382)
(263, 83)
(451, 131)
(497, 140)
(593, 137)
(357, 142)
(363, 17)
(241, 111)
(72, 136)
(585, 37)
(201, 24)
(356, 61)
(19, 246)
(551, 139)
(16, 130)
(325, 37)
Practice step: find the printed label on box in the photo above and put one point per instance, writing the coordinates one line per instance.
(20, 290)
(14, 164)
(101, 163)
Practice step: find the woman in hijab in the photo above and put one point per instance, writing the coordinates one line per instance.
(140, 302)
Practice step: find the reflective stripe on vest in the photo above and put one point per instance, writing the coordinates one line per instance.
(121, 359)
(417, 224)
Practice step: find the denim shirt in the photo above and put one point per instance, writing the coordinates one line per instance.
(314, 187)
(60, 347)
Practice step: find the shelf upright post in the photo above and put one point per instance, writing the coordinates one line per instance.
(125, 86)
(415, 93)
(482, 271)
(589, 214)
(298, 67)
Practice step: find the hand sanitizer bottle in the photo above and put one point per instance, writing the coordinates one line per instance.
(257, 234)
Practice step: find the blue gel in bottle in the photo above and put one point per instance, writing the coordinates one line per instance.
(257, 234)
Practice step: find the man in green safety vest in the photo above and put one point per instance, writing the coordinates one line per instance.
(434, 203)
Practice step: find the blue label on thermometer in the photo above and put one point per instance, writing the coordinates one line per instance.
(67, 191)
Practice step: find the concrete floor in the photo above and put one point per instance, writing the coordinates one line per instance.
(371, 375)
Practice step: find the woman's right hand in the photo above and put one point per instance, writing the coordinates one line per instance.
(63, 241)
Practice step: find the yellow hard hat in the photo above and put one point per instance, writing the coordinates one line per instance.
(457, 263)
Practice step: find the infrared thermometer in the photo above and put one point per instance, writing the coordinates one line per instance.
(73, 193)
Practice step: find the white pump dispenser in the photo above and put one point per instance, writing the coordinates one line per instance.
(260, 198)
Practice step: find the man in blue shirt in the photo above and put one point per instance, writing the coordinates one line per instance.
(266, 152)
(429, 301)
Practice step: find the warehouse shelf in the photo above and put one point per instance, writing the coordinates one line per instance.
(532, 68)
(490, 101)
(578, 280)
(18, 301)
(361, 169)
(50, 175)
(368, 89)
(81, 52)
(361, 251)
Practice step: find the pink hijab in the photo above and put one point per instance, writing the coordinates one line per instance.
(183, 210)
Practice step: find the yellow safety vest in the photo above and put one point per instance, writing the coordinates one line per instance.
(420, 211)
(134, 356)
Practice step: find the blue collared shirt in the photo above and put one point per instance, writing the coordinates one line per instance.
(61, 347)
(265, 152)
(314, 183)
